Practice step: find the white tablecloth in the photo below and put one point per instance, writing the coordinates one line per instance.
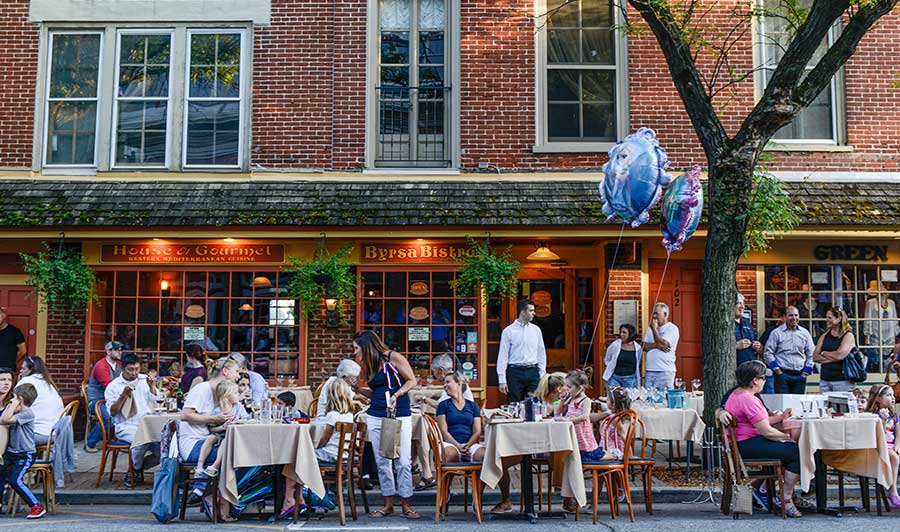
(672, 424)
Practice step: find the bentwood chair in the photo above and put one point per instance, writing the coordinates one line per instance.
(766, 469)
(314, 405)
(444, 474)
(89, 418)
(111, 445)
(644, 463)
(339, 473)
(356, 469)
(40, 470)
(614, 473)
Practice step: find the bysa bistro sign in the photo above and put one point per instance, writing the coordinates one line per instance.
(167, 253)
(414, 252)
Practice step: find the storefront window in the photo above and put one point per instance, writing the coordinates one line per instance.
(155, 314)
(418, 314)
(869, 294)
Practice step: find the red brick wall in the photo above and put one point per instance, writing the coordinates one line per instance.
(18, 75)
(623, 285)
(65, 349)
(326, 347)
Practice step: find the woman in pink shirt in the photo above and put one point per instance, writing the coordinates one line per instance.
(756, 436)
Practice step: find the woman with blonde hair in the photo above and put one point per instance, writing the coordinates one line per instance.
(550, 388)
(833, 347)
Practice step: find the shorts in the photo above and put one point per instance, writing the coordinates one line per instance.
(472, 450)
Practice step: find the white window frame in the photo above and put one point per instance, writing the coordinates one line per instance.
(542, 144)
(115, 97)
(836, 89)
(242, 92)
(98, 98)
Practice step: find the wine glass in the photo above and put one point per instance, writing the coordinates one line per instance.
(291, 382)
(695, 385)
(679, 383)
(643, 394)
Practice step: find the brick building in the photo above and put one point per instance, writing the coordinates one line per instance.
(398, 124)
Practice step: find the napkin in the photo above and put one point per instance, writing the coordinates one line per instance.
(129, 408)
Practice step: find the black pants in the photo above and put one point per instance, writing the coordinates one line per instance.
(785, 383)
(521, 381)
(760, 447)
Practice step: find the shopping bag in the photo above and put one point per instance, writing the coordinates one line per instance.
(389, 445)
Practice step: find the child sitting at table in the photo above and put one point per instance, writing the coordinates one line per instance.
(228, 401)
(861, 398)
(881, 401)
(613, 434)
(288, 401)
(578, 411)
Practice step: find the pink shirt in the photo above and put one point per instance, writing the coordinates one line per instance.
(584, 430)
(747, 409)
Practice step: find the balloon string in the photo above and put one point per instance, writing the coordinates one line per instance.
(659, 289)
(590, 346)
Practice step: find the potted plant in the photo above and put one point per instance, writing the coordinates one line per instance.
(60, 277)
(493, 273)
(327, 276)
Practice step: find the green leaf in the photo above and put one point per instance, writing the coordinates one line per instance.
(771, 211)
(324, 274)
(494, 274)
(60, 277)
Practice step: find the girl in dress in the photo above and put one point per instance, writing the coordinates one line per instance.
(881, 401)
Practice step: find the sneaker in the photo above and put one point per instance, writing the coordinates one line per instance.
(37, 511)
(90, 449)
(128, 482)
(760, 500)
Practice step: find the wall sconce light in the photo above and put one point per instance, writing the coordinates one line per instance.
(261, 282)
(543, 253)
(245, 307)
(331, 315)
(164, 288)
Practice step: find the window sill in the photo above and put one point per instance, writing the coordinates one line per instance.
(68, 170)
(790, 147)
(411, 171)
(573, 147)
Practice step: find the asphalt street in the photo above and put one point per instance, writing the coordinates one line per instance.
(666, 517)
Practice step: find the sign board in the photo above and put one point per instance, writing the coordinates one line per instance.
(176, 253)
(625, 311)
(414, 252)
(194, 333)
(418, 334)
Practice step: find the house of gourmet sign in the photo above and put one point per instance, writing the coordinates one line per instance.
(171, 253)
(415, 252)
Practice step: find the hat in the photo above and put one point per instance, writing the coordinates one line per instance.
(874, 287)
(113, 346)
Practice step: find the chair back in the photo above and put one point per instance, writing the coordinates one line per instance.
(71, 409)
(359, 443)
(436, 440)
(733, 464)
(346, 444)
(621, 422)
(84, 398)
(104, 430)
(645, 441)
(314, 405)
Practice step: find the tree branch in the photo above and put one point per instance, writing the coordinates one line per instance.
(684, 73)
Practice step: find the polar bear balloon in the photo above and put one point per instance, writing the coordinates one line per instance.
(634, 177)
(681, 209)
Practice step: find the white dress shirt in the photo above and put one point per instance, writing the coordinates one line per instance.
(521, 345)
(143, 400)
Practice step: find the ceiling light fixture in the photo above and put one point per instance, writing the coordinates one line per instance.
(543, 253)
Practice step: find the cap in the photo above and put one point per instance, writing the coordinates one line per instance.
(113, 346)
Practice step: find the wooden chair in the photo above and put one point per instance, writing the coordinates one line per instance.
(186, 481)
(356, 469)
(769, 470)
(340, 473)
(614, 472)
(89, 417)
(644, 463)
(40, 470)
(444, 473)
(314, 405)
(111, 445)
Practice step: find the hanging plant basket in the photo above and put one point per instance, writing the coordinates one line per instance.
(325, 275)
(493, 273)
(60, 277)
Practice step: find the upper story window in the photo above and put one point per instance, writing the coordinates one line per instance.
(412, 90)
(821, 122)
(175, 98)
(581, 75)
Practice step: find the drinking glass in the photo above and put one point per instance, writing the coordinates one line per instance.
(256, 407)
(695, 385)
(643, 394)
(679, 383)
(265, 412)
(291, 382)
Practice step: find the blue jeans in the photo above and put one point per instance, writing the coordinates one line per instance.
(769, 386)
(659, 379)
(195, 454)
(620, 381)
(785, 383)
(95, 435)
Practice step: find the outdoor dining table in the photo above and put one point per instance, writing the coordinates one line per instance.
(150, 428)
(258, 444)
(854, 444)
(673, 424)
(302, 394)
(524, 438)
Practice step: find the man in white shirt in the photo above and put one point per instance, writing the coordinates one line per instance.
(131, 384)
(659, 344)
(522, 360)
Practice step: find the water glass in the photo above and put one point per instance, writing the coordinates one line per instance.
(695, 385)
(679, 383)
(277, 414)
(265, 412)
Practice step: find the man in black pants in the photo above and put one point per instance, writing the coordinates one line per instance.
(522, 360)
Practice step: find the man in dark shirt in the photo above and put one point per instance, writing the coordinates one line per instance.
(12, 342)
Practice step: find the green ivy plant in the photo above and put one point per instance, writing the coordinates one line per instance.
(771, 210)
(495, 273)
(326, 274)
(60, 277)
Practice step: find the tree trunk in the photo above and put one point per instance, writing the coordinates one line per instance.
(730, 182)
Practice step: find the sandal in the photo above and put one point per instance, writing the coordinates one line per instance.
(501, 509)
(425, 485)
(804, 505)
(211, 472)
(792, 511)
(411, 514)
(378, 514)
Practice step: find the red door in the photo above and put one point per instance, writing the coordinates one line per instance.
(681, 291)
(21, 310)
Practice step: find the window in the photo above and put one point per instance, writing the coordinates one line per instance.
(155, 314)
(418, 314)
(870, 295)
(412, 88)
(72, 97)
(151, 129)
(580, 63)
(818, 123)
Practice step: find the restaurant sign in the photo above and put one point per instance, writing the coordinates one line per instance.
(170, 253)
(415, 252)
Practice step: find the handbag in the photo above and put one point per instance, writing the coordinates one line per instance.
(164, 504)
(854, 367)
(741, 491)
(389, 444)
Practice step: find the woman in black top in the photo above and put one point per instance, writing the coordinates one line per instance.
(623, 360)
(831, 350)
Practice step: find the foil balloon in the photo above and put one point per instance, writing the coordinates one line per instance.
(634, 177)
(681, 209)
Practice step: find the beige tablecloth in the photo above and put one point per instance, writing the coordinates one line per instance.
(516, 439)
(855, 445)
(303, 394)
(672, 424)
(150, 428)
(255, 445)
(422, 392)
